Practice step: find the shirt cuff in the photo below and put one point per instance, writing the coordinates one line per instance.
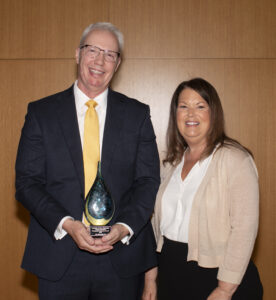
(60, 232)
(125, 240)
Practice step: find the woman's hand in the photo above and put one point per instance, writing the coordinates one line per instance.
(224, 291)
(150, 288)
(219, 294)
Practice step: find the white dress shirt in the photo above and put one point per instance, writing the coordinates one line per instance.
(81, 108)
(178, 199)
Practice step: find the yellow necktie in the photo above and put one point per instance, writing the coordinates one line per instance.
(91, 145)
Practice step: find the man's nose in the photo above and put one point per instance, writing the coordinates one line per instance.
(100, 58)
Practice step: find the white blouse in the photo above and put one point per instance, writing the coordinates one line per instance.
(178, 199)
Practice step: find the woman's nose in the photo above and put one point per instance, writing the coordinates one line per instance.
(190, 111)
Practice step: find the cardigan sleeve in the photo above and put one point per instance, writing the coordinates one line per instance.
(243, 192)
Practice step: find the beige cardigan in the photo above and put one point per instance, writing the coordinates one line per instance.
(224, 216)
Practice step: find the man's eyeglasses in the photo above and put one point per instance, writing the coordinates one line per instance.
(94, 51)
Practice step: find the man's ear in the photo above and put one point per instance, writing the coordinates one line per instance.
(77, 55)
(118, 63)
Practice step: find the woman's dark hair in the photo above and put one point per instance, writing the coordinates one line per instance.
(176, 144)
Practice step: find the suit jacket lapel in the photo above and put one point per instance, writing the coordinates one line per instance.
(113, 125)
(67, 115)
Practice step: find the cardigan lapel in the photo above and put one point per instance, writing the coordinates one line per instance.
(165, 181)
(67, 116)
(166, 175)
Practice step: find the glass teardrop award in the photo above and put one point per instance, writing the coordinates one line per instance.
(99, 206)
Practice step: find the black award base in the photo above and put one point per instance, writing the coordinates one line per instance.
(99, 231)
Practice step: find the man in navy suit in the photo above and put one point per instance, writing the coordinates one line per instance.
(69, 263)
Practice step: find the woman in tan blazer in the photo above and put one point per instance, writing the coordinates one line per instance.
(207, 207)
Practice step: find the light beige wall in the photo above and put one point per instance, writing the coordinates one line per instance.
(230, 43)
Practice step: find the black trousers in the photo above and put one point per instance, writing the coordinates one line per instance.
(91, 277)
(179, 279)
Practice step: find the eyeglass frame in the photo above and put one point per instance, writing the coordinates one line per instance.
(101, 50)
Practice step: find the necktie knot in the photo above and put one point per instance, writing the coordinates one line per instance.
(91, 103)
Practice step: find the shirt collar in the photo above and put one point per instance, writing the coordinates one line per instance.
(81, 98)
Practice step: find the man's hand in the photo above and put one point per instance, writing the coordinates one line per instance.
(82, 238)
(118, 231)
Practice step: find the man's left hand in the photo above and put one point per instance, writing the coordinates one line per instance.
(118, 232)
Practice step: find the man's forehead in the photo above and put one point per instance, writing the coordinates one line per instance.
(102, 37)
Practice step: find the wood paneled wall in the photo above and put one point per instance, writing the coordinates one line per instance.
(230, 43)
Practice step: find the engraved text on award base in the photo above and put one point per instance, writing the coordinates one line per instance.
(99, 231)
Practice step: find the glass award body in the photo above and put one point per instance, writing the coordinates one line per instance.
(99, 206)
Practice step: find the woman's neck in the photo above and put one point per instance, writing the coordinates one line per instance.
(194, 152)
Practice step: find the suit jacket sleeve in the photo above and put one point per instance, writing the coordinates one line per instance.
(31, 175)
(141, 197)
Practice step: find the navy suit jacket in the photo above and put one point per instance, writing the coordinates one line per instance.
(50, 180)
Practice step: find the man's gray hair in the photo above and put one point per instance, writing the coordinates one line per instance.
(104, 26)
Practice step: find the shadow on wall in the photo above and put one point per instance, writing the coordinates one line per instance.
(30, 282)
